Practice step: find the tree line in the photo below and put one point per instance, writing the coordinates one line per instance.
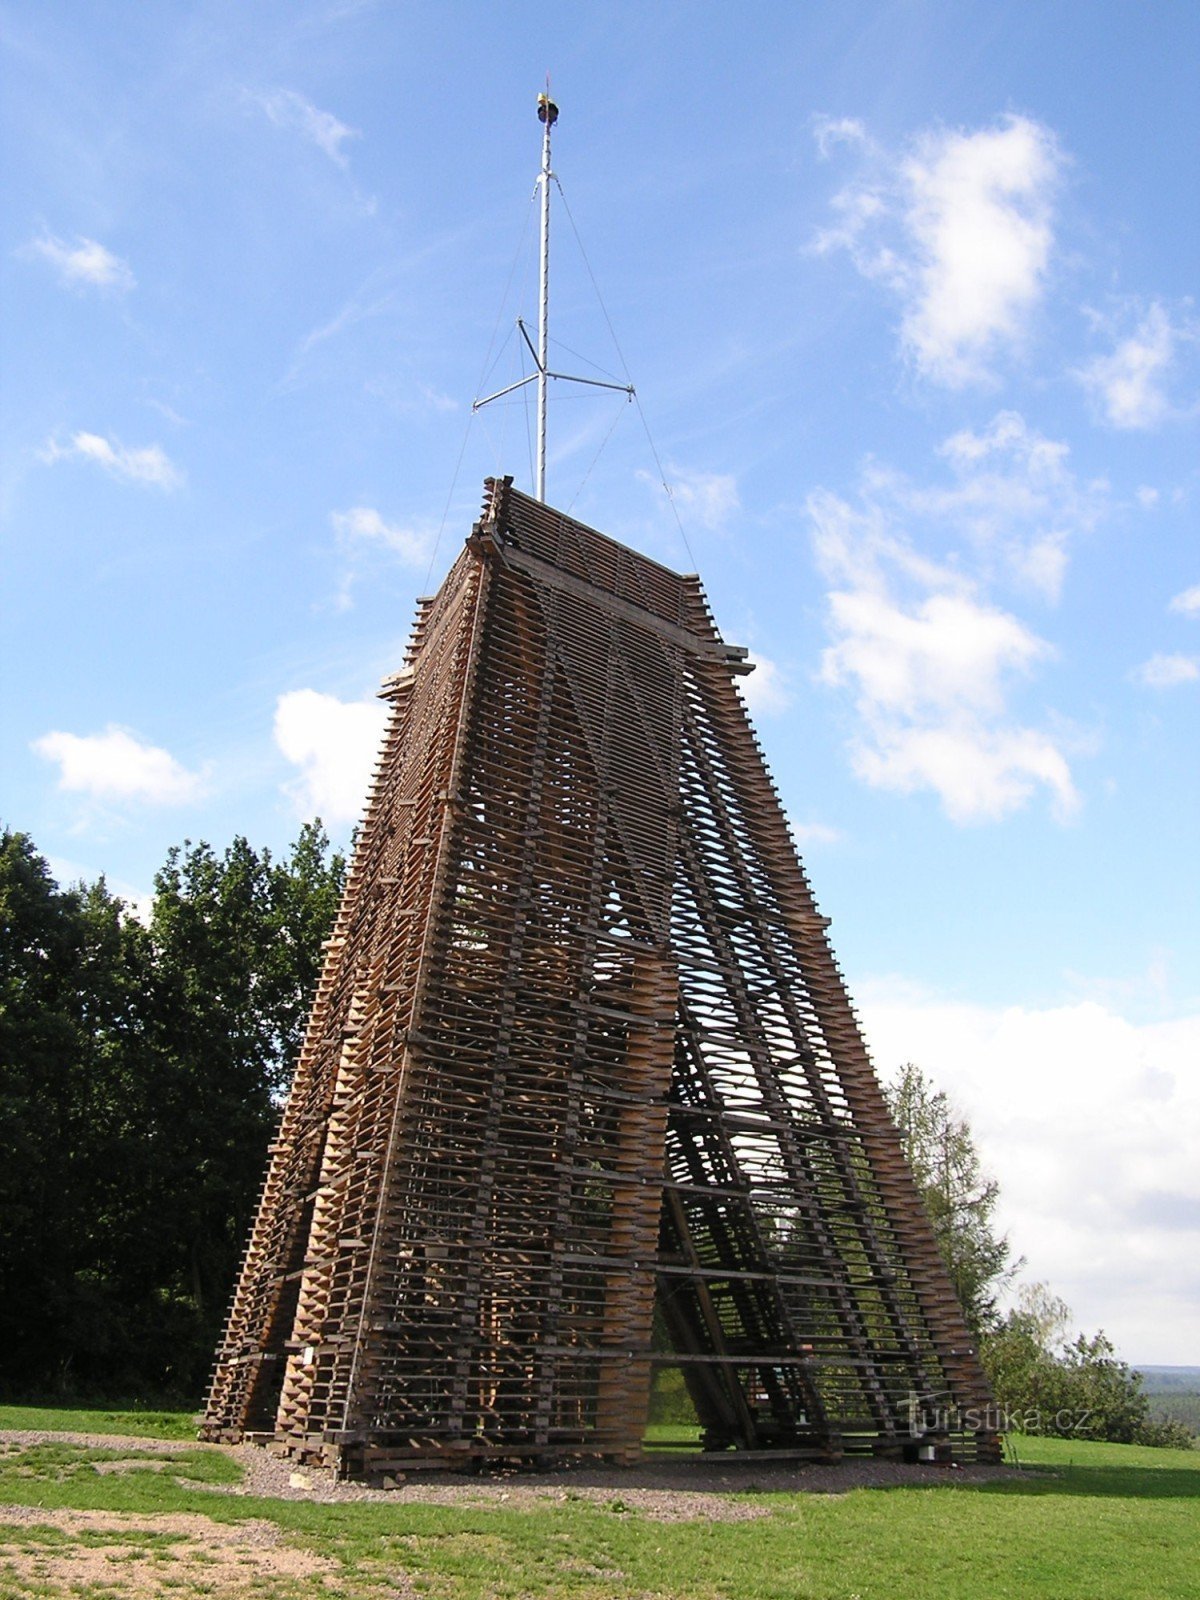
(1043, 1380)
(141, 1065)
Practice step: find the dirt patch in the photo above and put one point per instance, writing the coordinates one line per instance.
(675, 1490)
(672, 1490)
(145, 1557)
(130, 1464)
(13, 1439)
(62, 1554)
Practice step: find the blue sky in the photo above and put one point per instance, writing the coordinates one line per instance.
(907, 294)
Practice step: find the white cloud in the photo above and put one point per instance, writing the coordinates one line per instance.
(707, 499)
(945, 653)
(1090, 1124)
(814, 833)
(960, 227)
(830, 132)
(1188, 602)
(334, 743)
(929, 662)
(1008, 433)
(1148, 991)
(372, 300)
(1015, 498)
(139, 903)
(765, 690)
(118, 765)
(980, 214)
(290, 110)
(859, 209)
(361, 530)
(1167, 672)
(979, 773)
(366, 524)
(84, 264)
(1128, 385)
(172, 416)
(435, 399)
(149, 465)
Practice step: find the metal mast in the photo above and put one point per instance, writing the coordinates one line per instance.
(548, 113)
(548, 116)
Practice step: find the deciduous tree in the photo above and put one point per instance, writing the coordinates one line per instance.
(140, 1075)
(959, 1195)
(1045, 1382)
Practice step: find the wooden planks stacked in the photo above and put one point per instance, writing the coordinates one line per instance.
(579, 1042)
(787, 1192)
(302, 1281)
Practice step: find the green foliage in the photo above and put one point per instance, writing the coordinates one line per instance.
(1043, 1383)
(1047, 1384)
(72, 1018)
(670, 1402)
(1100, 1383)
(140, 1070)
(237, 945)
(959, 1196)
(1165, 1433)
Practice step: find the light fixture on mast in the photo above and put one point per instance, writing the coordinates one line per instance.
(547, 115)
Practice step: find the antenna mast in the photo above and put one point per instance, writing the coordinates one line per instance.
(547, 115)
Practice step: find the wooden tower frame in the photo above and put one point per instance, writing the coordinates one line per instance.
(582, 1090)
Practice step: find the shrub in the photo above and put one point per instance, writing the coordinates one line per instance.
(1165, 1433)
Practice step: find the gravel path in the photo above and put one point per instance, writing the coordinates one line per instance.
(671, 1490)
(23, 1438)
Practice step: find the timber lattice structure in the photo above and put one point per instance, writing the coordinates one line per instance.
(582, 1091)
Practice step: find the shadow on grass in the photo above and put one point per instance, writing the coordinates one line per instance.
(1103, 1482)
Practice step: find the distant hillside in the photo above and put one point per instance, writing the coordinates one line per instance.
(1174, 1395)
(1170, 1380)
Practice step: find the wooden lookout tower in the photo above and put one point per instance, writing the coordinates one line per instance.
(582, 1093)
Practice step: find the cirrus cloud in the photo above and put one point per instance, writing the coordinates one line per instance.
(706, 499)
(85, 264)
(291, 111)
(364, 523)
(814, 833)
(148, 465)
(829, 132)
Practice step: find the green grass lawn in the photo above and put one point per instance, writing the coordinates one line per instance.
(1109, 1522)
(137, 1423)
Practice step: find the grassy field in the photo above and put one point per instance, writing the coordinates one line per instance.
(142, 1424)
(1109, 1522)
